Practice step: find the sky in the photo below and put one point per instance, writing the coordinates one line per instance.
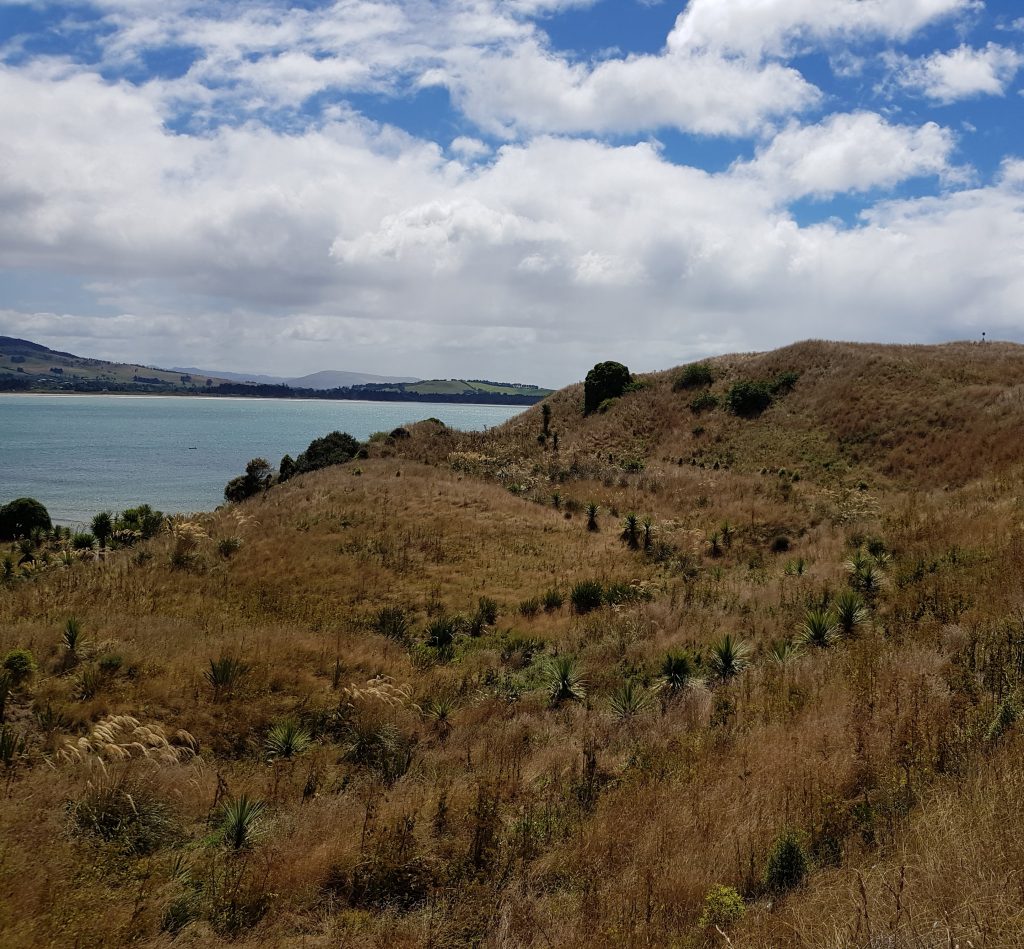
(507, 189)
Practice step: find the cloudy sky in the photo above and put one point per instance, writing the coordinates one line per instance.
(507, 188)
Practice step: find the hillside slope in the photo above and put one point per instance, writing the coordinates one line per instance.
(890, 415)
(564, 767)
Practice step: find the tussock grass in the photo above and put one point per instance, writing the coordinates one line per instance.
(668, 760)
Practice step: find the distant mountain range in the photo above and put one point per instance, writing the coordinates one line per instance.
(325, 379)
(31, 367)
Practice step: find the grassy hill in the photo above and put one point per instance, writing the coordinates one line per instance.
(543, 773)
(44, 368)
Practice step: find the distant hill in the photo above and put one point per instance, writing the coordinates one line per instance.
(325, 379)
(27, 366)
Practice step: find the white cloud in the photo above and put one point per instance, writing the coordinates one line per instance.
(960, 73)
(529, 90)
(854, 152)
(772, 27)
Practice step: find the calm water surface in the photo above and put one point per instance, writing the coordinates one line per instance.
(80, 454)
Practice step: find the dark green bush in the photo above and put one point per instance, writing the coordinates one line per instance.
(607, 380)
(748, 398)
(21, 517)
(704, 402)
(587, 595)
(786, 866)
(20, 665)
(694, 376)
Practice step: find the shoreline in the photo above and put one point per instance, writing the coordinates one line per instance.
(257, 398)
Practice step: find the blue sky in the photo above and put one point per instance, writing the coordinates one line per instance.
(514, 188)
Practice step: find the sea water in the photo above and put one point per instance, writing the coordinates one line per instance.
(81, 454)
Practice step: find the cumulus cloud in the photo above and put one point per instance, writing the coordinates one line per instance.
(224, 208)
(773, 27)
(961, 73)
(849, 153)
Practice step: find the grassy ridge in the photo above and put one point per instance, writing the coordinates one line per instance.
(450, 794)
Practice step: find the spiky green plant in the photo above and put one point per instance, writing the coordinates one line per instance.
(648, 526)
(392, 622)
(819, 629)
(631, 531)
(563, 680)
(729, 657)
(587, 595)
(439, 711)
(678, 672)
(72, 639)
(850, 612)
(784, 652)
(6, 685)
(225, 674)
(240, 820)
(629, 700)
(287, 739)
(592, 517)
(12, 746)
(441, 632)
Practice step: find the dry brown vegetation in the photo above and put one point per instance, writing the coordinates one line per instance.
(861, 792)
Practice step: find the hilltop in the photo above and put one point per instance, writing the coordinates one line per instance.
(677, 677)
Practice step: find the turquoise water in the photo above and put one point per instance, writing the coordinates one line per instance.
(80, 454)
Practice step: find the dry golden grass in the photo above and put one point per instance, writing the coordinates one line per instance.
(443, 801)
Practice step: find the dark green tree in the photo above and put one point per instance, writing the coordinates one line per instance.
(286, 468)
(607, 380)
(22, 516)
(333, 449)
(545, 415)
(257, 477)
(103, 527)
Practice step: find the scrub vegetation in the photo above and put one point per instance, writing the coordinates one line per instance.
(656, 678)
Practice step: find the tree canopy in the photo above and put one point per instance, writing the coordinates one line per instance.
(607, 380)
(22, 516)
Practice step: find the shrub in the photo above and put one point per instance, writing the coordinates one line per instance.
(629, 700)
(20, 517)
(780, 544)
(83, 540)
(607, 380)
(20, 665)
(333, 449)
(606, 405)
(487, 610)
(392, 622)
(441, 632)
(229, 546)
(224, 675)
(723, 909)
(819, 629)
(748, 398)
(128, 815)
(729, 657)
(141, 520)
(529, 608)
(552, 600)
(287, 739)
(678, 671)
(563, 680)
(240, 822)
(103, 526)
(704, 402)
(258, 477)
(631, 531)
(592, 517)
(694, 376)
(379, 748)
(587, 595)
(786, 866)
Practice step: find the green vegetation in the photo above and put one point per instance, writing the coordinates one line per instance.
(21, 517)
(607, 380)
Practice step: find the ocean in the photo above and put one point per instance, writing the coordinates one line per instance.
(81, 454)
